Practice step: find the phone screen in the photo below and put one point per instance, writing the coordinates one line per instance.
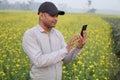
(84, 27)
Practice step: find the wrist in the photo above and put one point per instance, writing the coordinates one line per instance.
(79, 47)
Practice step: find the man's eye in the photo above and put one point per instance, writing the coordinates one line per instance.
(54, 15)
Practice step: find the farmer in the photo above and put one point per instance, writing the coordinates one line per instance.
(46, 46)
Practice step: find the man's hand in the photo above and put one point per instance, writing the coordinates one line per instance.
(82, 40)
(72, 42)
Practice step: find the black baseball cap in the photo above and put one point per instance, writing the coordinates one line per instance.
(49, 8)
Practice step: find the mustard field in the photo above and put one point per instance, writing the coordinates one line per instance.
(96, 62)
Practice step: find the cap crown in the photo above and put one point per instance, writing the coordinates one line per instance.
(50, 8)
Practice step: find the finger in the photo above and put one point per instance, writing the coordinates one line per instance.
(80, 39)
(75, 38)
(84, 33)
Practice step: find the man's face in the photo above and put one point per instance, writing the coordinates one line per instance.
(49, 20)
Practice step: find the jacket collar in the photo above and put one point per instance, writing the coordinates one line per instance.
(42, 30)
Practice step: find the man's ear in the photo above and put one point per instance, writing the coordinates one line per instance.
(41, 14)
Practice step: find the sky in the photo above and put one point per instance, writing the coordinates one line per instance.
(82, 4)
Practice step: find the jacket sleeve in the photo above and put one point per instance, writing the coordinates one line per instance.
(34, 52)
(72, 55)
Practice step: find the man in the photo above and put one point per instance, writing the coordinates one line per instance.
(46, 47)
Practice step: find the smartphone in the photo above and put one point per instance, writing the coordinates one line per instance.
(84, 27)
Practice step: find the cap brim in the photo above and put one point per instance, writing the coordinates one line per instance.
(56, 12)
(61, 12)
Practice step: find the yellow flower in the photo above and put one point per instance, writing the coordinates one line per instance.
(2, 73)
(17, 65)
(97, 79)
(79, 62)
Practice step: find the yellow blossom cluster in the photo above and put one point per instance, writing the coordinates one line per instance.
(96, 61)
